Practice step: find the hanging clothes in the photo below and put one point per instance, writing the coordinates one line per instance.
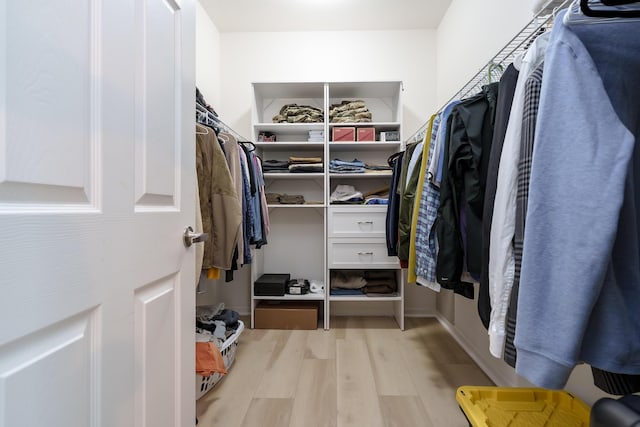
(219, 204)
(506, 90)
(407, 197)
(426, 245)
(580, 280)
(501, 260)
(459, 222)
(233, 161)
(391, 219)
(248, 208)
(533, 87)
(429, 138)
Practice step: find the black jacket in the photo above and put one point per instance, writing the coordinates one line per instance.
(395, 161)
(466, 158)
(506, 92)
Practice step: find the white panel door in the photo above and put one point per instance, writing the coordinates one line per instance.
(97, 180)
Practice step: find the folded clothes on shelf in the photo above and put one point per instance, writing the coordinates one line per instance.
(347, 279)
(284, 199)
(297, 159)
(376, 201)
(346, 292)
(342, 166)
(293, 113)
(306, 168)
(349, 112)
(287, 199)
(377, 167)
(354, 163)
(345, 193)
(275, 166)
(273, 198)
(380, 192)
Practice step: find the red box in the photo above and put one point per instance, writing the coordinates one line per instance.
(366, 134)
(344, 134)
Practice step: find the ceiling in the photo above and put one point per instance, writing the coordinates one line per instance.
(324, 15)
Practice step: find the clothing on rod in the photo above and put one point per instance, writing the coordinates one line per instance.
(536, 196)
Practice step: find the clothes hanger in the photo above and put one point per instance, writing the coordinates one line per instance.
(204, 129)
(490, 70)
(249, 143)
(391, 159)
(575, 15)
(616, 2)
(610, 13)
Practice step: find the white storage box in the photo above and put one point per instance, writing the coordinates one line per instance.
(228, 350)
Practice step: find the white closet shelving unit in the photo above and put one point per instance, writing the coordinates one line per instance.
(356, 233)
(296, 242)
(310, 240)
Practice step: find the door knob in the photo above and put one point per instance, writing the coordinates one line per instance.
(189, 237)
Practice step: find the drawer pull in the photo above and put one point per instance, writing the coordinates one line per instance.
(365, 222)
(365, 253)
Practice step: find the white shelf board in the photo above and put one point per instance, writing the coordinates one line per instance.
(292, 206)
(358, 298)
(381, 174)
(307, 297)
(377, 125)
(289, 145)
(364, 145)
(289, 175)
(287, 128)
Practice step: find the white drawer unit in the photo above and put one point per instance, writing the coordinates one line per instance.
(360, 253)
(357, 221)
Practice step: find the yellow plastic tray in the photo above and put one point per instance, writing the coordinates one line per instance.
(521, 407)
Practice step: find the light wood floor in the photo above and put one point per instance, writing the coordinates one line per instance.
(362, 372)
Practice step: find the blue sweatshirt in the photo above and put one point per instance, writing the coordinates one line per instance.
(580, 285)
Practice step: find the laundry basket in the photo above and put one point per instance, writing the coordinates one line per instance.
(228, 350)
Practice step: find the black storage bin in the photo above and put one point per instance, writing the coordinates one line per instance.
(271, 285)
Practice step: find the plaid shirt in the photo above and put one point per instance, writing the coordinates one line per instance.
(533, 87)
(426, 250)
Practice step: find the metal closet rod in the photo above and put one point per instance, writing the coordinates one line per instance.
(517, 44)
(222, 125)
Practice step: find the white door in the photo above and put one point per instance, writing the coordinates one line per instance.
(96, 189)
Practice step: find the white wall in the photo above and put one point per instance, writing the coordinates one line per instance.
(208, 80)
(408, 56)
(208, 77)
(470, 34)
(329, 56)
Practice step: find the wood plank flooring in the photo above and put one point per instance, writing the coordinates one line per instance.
(364, 371)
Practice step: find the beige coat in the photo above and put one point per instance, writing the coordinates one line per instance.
(233, 161)
(220, 205)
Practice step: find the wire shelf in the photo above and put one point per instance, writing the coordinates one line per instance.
(492, 70)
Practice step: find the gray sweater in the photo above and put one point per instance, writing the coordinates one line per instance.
(580, 283)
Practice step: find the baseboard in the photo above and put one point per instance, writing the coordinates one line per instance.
(417, 313)
(497, 377)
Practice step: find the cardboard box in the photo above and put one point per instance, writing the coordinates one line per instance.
(286, 315)
(366, 134)
(344, 134)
